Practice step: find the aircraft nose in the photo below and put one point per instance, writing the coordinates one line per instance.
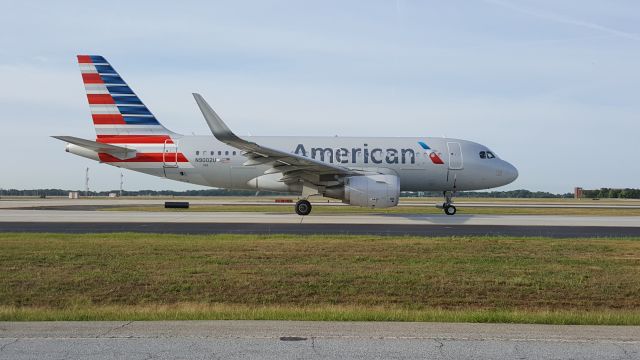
(509, 172)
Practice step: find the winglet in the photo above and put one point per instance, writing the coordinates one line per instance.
(219, 129)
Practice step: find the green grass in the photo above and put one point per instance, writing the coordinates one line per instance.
(399, 210)
(470, 279)
(314, 313)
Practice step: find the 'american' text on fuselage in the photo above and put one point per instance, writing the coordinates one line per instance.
(345, 156)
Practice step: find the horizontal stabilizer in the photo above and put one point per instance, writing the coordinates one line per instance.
(118, 151)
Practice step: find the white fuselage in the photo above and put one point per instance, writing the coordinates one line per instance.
(206, 161)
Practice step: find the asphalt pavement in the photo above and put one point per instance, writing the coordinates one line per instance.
(309, 229)
(312, 340)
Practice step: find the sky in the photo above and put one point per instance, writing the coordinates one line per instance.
(551, 86)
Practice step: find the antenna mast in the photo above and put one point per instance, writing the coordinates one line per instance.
(86, 182)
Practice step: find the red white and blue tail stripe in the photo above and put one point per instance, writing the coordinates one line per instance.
(115, 108)
(121, 118)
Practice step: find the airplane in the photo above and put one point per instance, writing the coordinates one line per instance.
(363, 171)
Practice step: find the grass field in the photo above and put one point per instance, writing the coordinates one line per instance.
(481, 279)
(406, 210)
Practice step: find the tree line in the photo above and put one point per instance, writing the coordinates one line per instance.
(603, 193)
(607, 193)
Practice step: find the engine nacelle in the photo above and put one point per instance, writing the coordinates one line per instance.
(272, 182)
(374, 191)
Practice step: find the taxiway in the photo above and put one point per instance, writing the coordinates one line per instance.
(65, 216)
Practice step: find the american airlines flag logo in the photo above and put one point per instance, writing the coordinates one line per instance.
(433, 155)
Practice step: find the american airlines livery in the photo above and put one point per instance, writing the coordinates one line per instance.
(362, 171)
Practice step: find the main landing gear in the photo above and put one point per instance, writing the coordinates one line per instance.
(303, 207)
(447, 206)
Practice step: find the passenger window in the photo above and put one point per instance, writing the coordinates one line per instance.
(490, 155)
(234, 153)
(212, 153)
(219, 152)
(197, 152)
(226, 153)
(483, 155)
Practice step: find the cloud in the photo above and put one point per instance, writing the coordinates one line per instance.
(555, 17)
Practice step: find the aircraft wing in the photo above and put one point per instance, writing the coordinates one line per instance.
(117, 151)
(293, 166)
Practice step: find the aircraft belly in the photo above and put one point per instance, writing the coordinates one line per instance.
(431, 178)
(240, 176)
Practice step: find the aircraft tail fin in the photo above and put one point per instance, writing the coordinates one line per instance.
(116, 110)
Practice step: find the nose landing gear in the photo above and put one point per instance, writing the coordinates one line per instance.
(447, 206)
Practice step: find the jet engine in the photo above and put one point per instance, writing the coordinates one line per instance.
(374, 191)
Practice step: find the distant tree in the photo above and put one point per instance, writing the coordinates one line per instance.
(630, 193)
(614, 193)
(603, 193)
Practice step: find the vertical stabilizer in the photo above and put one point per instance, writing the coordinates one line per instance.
(116, 110)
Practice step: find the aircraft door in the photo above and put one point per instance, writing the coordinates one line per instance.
(455, 156)
(170, 154)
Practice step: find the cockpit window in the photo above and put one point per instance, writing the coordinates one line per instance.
(483, 154)
(490, 155)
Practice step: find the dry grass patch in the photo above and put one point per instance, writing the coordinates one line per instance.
(419, 275)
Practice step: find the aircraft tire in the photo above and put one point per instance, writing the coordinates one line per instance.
(303, 207)
(450, 210)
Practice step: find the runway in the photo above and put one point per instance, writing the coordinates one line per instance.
(79, 221)
(316, 340)
(309, 229)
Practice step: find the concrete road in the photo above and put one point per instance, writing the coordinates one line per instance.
(312, 340)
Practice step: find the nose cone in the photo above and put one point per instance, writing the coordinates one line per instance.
(509, 172)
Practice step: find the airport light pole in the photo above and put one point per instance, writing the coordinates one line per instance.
(86, 183)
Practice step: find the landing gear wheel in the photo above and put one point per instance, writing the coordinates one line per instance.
(303, 207)
(450, 210)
